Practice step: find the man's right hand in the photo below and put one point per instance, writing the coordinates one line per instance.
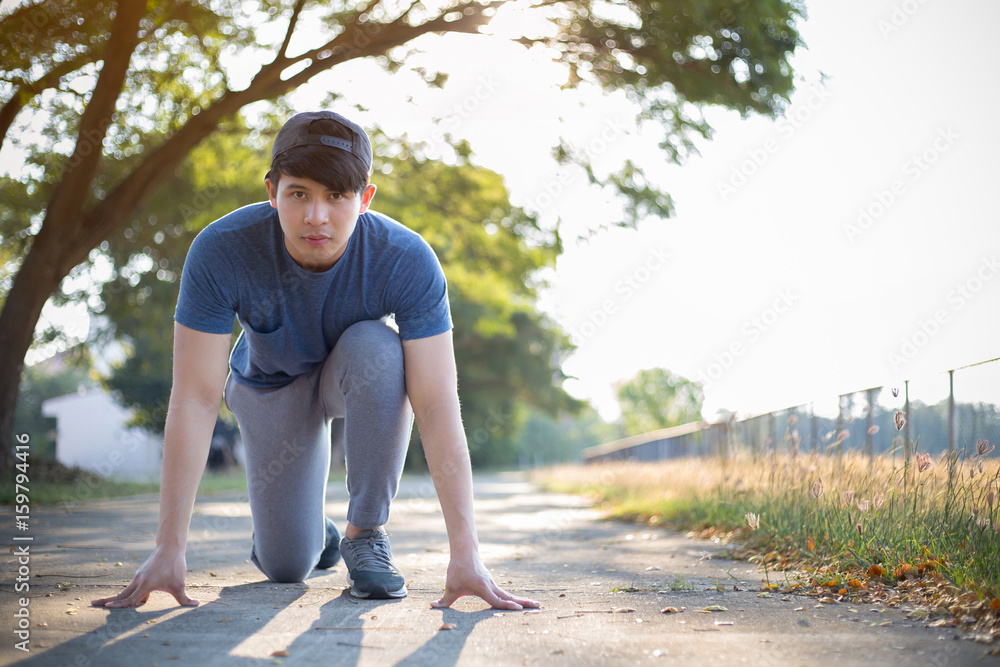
(164, 570)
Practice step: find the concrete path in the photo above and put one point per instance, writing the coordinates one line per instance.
(602, 586)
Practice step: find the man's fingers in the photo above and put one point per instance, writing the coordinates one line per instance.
(446, 600)
(498, 602)
(182, 597)
(520, 602)
(524, 602)
(104, 602)
(121, 603)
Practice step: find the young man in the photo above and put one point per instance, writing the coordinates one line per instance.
(313, 277)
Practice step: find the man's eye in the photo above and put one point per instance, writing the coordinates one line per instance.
(336, 195)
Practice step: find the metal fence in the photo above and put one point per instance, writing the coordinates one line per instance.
(946, 412)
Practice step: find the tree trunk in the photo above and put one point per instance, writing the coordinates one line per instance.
(38, 278)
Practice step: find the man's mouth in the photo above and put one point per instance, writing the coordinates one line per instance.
(314, 240)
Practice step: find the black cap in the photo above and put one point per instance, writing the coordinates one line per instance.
(296, 132)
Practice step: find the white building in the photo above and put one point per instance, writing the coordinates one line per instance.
(92, 434)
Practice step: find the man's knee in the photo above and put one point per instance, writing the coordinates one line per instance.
(286, 568)
(371, 350)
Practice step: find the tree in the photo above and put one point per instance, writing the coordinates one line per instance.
(125, 90)
(657, 398)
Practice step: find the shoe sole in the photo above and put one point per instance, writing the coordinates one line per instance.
(377, 594)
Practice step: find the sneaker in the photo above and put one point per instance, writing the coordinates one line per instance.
(371, 572)
(331, 552)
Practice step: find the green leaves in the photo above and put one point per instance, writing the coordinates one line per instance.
(657, 398)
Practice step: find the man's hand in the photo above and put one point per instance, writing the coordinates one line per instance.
(468, 576)
(164, 570)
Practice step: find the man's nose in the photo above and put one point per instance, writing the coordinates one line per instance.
(316, 214)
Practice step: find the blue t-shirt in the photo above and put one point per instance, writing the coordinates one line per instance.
(292, 317)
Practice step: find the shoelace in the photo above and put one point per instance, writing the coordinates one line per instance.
(377, 558)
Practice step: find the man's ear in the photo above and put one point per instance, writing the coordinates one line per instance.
(272, 192)
(366, 197)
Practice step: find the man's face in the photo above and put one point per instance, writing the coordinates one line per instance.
(316, 222)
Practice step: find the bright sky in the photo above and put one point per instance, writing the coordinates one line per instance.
(770, 285)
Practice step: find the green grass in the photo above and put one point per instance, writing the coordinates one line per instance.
(49, 485)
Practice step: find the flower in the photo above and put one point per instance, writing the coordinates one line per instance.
(753, 520)
(923, 462)
(860, 530)
(878, 500)
(847, 497)
(983, 448)
(873, 430)
(895, 392)
(844, 435)
(900, 420)
(792, 419)
(863, 504)
(817, 489)
(989, 497)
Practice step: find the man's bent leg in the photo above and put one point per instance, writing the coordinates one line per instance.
(363, 382)
(287, 446)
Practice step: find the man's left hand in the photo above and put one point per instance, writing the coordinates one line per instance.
(468, 576)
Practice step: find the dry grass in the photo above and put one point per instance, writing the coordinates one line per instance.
(834, 519)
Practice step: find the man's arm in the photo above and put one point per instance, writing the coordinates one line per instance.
(432, 386)
(199, 377)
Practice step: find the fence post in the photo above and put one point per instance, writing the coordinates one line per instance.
(869, 438)
(951, 412)
(840, 427)
(813, 428)
(907, 445)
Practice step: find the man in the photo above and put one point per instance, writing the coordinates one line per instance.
(345, 316)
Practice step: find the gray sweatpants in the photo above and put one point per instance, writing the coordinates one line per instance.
(286, 436)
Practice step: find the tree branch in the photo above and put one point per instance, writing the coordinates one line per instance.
(61, 211)
(291, 29)
(373, 39)
(25, 93)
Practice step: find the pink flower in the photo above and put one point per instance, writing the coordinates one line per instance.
(817, 489)
(923, 462)
(873, 430)
(900, 420)
(895, 392)
(753, 520)
(863, 504)
(847, 497)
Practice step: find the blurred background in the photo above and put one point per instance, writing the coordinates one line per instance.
(650, 214)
